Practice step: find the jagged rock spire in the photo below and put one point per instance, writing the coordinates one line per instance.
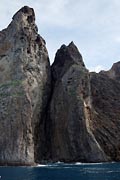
(65, 57)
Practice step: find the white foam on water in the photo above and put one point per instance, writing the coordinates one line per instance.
(79, 163)
(69, 164)
(41, 165)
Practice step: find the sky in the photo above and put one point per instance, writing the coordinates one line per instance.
(93, 25)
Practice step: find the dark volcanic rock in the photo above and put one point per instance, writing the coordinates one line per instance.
(24, 89)
(77, 118)
(84, 110)
(114, 72)
(105, 122)
(71, 136)
(65, 57)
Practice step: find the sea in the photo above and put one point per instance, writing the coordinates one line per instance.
(61, 171)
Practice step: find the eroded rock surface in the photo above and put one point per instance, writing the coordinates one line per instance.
(72, 138)
(24, 89)
(84, 110)
(105, 90)
(74, 118)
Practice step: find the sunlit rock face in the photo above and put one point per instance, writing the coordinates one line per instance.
(24, 89)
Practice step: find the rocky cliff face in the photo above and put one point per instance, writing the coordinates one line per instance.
(105, 122)
(70, 110)
(24, 89)
(84, 110)
(58, 113)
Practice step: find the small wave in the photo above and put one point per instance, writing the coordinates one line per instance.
(62, 164)
(79, 163)
(49, 165)
(42, 165)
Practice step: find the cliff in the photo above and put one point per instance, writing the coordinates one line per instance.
(58, 113)
(24, 89)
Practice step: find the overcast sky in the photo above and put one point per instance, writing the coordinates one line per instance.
(93, 25)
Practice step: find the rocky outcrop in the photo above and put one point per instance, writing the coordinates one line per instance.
(24, 89)
(72, 138)
(58, 113)
(84, 110)
(105, 124)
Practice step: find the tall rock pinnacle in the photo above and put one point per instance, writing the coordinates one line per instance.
(24, 89)
(71, 137)
(84, 110)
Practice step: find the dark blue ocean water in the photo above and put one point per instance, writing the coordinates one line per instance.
(59, 171)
